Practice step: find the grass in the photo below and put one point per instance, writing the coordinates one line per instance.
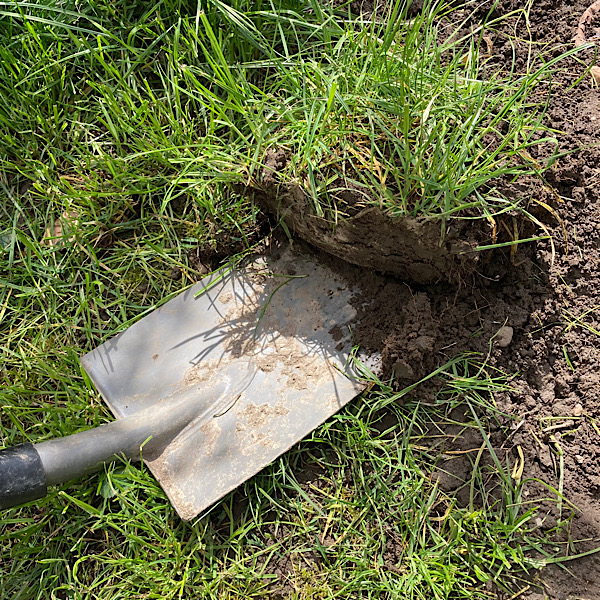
(179, 103)
(351, 511)
(139, 127)
(409, 124)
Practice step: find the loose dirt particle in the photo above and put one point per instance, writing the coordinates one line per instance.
(504, 336)
(211, 432)
(258, 415)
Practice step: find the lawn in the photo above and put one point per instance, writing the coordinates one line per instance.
(136, 146)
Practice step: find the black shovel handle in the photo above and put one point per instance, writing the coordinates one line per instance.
(22, 476)
(27, 470)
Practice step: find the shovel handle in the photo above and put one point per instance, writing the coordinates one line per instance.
(22, 476)
(26, 470)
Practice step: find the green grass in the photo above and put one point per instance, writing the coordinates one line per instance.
(146, 123)
(352, 511)
(409, 124)
(174, 102)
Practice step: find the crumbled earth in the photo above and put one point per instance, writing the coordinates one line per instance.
(533, 311)
(550, 298)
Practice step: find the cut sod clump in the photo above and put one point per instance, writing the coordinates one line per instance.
(381, 142)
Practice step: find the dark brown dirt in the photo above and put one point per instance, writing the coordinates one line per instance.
(550, 298)
(406, 247)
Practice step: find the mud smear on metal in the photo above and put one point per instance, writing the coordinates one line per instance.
(257, 415)
(279, 353)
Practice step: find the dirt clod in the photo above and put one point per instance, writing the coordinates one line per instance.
(416, 249)
(504, 336)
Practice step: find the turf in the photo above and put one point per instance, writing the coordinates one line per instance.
(128, 133)
(177, 103)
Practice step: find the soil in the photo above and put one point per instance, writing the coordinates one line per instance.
(408, 247)
(535, 312)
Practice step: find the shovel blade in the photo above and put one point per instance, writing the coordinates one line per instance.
(274, 336)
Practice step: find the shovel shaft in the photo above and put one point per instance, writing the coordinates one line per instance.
(26, 470)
